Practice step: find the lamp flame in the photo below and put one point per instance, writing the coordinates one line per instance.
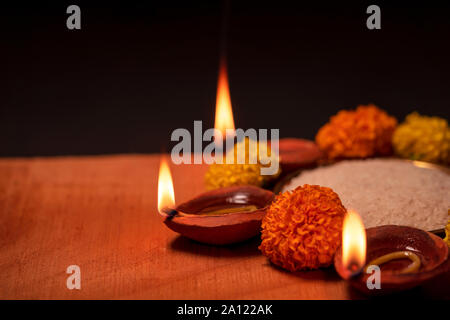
(166, 195)
(224, 113)
(353, 242)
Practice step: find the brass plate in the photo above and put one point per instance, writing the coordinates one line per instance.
(421, 164)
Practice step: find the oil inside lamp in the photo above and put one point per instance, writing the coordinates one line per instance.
(220, 210)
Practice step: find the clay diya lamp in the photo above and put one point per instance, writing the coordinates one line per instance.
(222, 216)
(297, 153)
(406, 257)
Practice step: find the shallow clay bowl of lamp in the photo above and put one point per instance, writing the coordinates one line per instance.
(222, 216)
(432, 251)
(297, 153)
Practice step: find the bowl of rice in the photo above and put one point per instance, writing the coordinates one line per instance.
(384, 191)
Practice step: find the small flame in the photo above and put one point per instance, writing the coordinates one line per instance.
(224, 113)
(353, 242)
(166, 195)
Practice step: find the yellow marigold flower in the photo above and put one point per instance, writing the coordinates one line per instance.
(302, 228)
(244, 171)
(364, 132)
(423, 138)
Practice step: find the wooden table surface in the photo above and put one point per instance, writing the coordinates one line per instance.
(99, 213)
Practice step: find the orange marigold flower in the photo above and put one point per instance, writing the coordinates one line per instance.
(302, 228)
(364, 132)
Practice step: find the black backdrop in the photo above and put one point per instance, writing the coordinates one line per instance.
(135, 71)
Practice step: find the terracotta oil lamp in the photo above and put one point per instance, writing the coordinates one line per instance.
(406, 257)
(297, 153)
(222, 216)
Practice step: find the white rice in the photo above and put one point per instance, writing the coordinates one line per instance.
(386, 191)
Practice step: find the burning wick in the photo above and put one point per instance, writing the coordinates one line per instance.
(353, 244)
(224, 121)
(354, 269)
(224, 113)
(166, 194)
(170, 212)
(412, 268)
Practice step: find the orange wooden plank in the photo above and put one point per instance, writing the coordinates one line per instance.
(99, 212)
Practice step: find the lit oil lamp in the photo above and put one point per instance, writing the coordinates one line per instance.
(406, 257)
(222, 216)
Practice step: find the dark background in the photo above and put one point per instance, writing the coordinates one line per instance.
(137, 71)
